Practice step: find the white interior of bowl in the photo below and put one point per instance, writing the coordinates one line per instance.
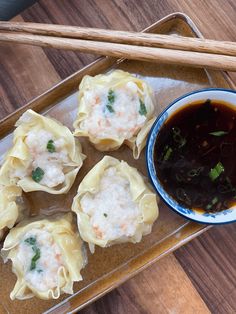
(214, 94)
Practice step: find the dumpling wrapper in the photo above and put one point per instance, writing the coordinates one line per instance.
(70, 245)
(18, 156)
(9, 210)
(113, 80)
(140, 192)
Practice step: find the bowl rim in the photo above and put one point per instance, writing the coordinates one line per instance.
(149, 159)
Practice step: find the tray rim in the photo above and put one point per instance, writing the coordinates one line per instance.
(189, 231)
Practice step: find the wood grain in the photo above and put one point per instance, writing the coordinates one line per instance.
(131, 52)
(128, 15)
(155, 290)
(24, 75)
(210, 262)
(122, 37)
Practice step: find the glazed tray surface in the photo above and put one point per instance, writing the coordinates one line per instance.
(109, 267)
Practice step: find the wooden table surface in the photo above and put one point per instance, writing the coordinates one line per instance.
(199, 277)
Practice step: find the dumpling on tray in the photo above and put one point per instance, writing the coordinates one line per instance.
(9, 209)
(115, 108)
(46, 257)
(114, 205)
(44, 156)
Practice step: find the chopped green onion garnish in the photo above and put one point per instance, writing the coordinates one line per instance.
(213, 174)
(30, 241)
(226, 187)
(110, 108)
(216, 171)
(35, 257)
(182, 142)
(142, 110)
(51, 147)
(37, 174)
(176, 130)
(179, 177)
(183, 197)
(111, 100)
(105, 215)
(178, 138)
(111, 96)
(213, 202)
(209, 206)
(195, 172)
(167, 154)
(219, 133)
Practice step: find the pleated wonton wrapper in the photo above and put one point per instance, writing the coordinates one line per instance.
(115, 108)
(114, 205)
(9, 210)
(46, 257)
(44, 156)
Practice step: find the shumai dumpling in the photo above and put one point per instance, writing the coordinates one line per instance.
(115, 108)
(9, 209)
(44, 156)
(46, 257)
(113, 204)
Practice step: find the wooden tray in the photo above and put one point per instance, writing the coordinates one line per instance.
(109, 267)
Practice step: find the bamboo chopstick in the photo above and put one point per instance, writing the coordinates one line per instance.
(144, 39)
(158, 55)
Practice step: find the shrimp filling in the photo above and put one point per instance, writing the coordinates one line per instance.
(114, 113)
(48, 157)
(113, 214)
(40, 258)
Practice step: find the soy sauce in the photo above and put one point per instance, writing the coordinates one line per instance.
(195, 156)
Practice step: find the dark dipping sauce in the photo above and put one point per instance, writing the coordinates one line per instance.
(195, 154)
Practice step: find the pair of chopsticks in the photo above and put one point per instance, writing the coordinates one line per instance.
(186, 51)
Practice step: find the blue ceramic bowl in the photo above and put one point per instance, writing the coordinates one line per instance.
(229, 96)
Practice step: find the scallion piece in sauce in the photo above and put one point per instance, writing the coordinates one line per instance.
(168, 153)
(213, 202)
(226, 187)
(218, 133)
(178, 138)
(216, 171)
(142, 109)
(183, 197)
(195, 172)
